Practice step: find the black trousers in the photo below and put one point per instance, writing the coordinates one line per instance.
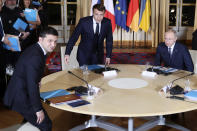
(11, 57)
(2, 72)
(45, 125)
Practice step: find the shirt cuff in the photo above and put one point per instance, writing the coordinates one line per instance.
(2, 39)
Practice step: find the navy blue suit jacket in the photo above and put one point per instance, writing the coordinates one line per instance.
(86, 45)
(23, 89)
(180, 59)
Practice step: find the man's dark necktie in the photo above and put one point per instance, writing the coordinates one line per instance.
(97, 29)
(96, 37)
(170, 52)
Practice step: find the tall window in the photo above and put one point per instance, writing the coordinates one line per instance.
(54, 12)
(181, 13)
(62, 16)
(71, 12)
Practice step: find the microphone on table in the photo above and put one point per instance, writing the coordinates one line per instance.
(79, 78)
(79, 89)
(177, 89)
(182, 77)
(151, 69)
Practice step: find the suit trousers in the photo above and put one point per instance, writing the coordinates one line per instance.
(30, 115)
(45, 125)
(2, 73)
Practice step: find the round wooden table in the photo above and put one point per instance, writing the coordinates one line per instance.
(114, 102)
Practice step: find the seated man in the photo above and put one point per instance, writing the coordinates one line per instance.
(173, 54)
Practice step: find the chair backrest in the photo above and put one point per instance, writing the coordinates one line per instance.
(73, 58)
(193, 54)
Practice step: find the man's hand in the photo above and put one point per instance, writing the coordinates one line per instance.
(107, 61)
(39, 84)
(40, 116)
(6, 41)
(25, 34)
(66, 58)
(33, 26)
(22, 14)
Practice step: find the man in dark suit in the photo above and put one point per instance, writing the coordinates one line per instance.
(22, 94)
(173, 54)
(93, 30)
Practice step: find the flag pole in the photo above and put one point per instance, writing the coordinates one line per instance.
(145, 40)
(133, 46)
(121, 38)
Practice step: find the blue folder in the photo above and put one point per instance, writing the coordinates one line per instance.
(37, 3)
(20, 25)
(53, 93)
(93, 67)
(15, 44)
(30, 14)
(192, 95)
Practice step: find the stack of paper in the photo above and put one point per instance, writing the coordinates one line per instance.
(165, 69)
(61, 96)
(71, 100)
(192, 95)
(63, 99)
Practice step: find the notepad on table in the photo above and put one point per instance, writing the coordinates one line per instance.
(77, 103)
(63, 99)
(191, 95)
(53, 93)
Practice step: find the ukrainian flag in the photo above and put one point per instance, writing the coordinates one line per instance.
(145, 13)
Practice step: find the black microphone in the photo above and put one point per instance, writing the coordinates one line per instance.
(81, 90)
(79, 78)
(177, 89)
(181, 78)
(153, 69)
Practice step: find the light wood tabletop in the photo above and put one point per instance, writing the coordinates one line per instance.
(114, 102)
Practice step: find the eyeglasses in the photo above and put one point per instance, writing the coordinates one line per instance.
(168, 39)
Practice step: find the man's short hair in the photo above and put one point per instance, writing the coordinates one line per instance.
(48, 31)
(171, 30)
(99, 7)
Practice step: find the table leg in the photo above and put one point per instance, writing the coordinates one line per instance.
(176, 126)
(130, 124)
(93, 122)
(160, 121)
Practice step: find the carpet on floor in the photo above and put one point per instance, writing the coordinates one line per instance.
(53, 61)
